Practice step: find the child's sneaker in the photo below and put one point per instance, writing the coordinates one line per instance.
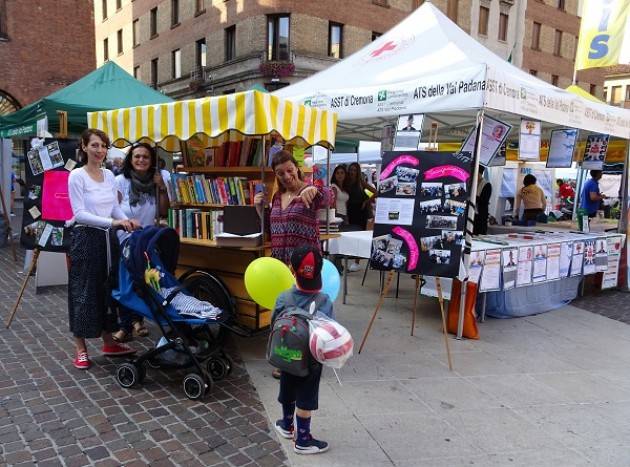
(116, 350)
(310, 446)
(282, 431)
(81, 361)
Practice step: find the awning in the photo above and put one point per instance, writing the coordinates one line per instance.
(250, 113)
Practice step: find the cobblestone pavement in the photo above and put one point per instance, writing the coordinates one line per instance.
(610, 303)
(52, 414)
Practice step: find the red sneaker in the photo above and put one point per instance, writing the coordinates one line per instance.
(81, 361)
(116, 350)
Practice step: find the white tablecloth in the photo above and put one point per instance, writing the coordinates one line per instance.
(358, 244)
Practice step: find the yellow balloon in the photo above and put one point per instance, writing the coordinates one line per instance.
(265, 279)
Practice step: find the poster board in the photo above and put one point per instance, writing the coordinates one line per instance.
(529, 140)
(595, 152)
(493, 136)
(47, 204)
(408, 132)
(421, 212)
(561, 148)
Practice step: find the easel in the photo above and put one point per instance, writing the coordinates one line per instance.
(7, 219)
(24, 284)
(419, 282)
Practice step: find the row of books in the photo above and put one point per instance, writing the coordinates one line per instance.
(198, 189)
(195, 223)
(228, 154)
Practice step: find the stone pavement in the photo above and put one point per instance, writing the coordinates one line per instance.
(548, 390)
(610, 303)
(52, 414)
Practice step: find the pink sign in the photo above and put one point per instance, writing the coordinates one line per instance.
(386, 172)
(446, 171)
(414, 253)
(55, 198)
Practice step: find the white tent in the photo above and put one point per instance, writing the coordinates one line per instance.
(427, 64)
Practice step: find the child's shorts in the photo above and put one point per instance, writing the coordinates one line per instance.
(304, 391)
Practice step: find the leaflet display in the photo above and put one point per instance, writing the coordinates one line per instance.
(421, 211)
(47, 203)
(493, 136)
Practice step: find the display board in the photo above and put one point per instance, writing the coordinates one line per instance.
(47, 204)
(493, 135)
(561, 147)
(421, 212)
(529, 140)
(408, 132)
(595, 152)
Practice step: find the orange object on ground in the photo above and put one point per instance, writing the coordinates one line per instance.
(470, 322)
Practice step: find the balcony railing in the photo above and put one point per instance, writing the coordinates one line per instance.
(277, 68)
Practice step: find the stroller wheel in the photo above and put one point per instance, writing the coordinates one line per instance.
(228, 363)
(194, 386)
(218, 368)
(128, 375)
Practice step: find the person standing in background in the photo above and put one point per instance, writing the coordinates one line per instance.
(484, 192)
(533, 199)
(591, 196)
(358, 202)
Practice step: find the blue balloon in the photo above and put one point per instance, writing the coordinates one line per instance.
(331, 281)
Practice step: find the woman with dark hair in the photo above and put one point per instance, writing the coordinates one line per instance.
(358, 202)
(138, 185)
(293, 218)
(94, 249)
(533, 199)
(337, 183)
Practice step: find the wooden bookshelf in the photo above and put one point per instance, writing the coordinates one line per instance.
(233, 171)
(213, 244)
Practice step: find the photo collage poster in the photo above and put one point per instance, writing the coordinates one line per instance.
(421, 212)
(47, 203)
(595, 152)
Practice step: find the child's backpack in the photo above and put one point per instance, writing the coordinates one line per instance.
(288, 345)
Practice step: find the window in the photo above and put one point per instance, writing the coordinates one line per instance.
(119, 41)
(136, 72)
(105, 49)
(503, 26)
(176, 64)
(484, 15)
(335, 40)
(536, 36)
(561, 5)
(118, 4)
(199, 7)
(554, 80)
(174, 12)
(134, 32)
(104, 7)
(627, 92)
(230, 43)
(593, 90)
(201, 51)
(278, 37)
(533, 72)
(154, 73)
(375, 35)
(616, 96)
(557, 43)
(3, 20)
(153, 22)
(605, 94)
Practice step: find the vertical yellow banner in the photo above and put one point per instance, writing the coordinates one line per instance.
(602, 33)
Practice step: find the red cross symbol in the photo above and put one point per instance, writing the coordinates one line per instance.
(389, 45)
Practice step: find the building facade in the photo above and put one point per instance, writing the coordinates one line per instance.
(193, 48)
(617, 86)
(44, 45)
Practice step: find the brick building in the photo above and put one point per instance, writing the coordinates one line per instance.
(44, 45)
(192, 48)
(550, 42)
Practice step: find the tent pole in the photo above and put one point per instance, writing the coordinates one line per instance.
(625, 218)
(470, 220)
(262, 180)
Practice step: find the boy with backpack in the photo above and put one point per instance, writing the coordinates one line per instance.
(289, 324)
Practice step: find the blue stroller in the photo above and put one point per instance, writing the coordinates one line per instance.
(191, 340)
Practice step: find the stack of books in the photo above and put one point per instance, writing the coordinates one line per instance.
(227, 154)
(197, 189)
(195, 223)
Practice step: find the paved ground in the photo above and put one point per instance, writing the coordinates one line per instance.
(53, 414)
(548, 390)
(610, 303)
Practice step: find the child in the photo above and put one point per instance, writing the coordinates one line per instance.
(295, 391)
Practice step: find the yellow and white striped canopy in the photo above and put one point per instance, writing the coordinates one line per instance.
(213, 119)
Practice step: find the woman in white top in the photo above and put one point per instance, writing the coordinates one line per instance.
(337, 182)
(94, 249)
(137, 186)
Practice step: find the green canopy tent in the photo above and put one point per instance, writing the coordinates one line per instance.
(108, 87)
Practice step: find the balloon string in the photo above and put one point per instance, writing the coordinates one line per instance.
(338, 380)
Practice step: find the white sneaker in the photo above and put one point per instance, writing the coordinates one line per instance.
(354, 267)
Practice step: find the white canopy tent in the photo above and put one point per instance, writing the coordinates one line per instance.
(427, 64)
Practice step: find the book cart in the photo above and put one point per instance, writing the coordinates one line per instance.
(226, 143)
